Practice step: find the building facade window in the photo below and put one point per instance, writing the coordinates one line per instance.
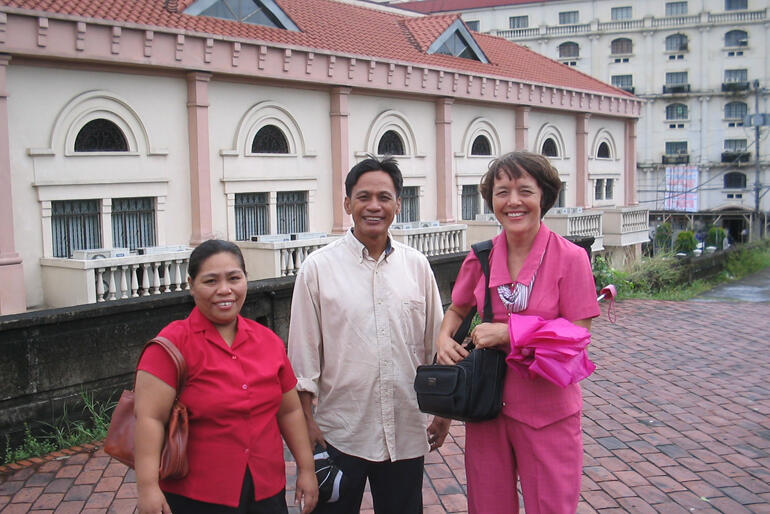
(735, 180)
(562, 200)
(676, 43)
(472, 25)
(518, 22)
(410, 205)
(734, 5)
(390, 144)
(569, 50)
(481, 146)
(270, 139)
(675, 78)
(252, 216)
(133, 222)
(549, 148)
(603, 152)
(736, 38)
(735, 145)
(621, 46)
(676, 112)
(291, 211)
(457, 46)
(256, 12)
(736, 111)
(470, 201)
(569, 17)
(621, 13)
(676, 8)
(75, 226)
(623, 81)
(736, 75)
(676, 147)
(100, 135)
(603, 188)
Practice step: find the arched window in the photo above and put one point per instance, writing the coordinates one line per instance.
(676, 112)
(549, 148)
(736, 110)
(269, 139)
(735, 180)
(676, 43)
(736, 38)
(481, 146)
(390, 144)
(603, 152)
(100, 135)
(569, 50)
(621, 46)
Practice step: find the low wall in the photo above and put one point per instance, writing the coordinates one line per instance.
(50, 356)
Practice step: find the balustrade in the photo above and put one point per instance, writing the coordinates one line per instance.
(433, 240)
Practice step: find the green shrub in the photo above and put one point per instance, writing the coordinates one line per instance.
(685, 242)
(716, 237)
(663, 234)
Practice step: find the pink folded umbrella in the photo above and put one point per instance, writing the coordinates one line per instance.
(553, 349)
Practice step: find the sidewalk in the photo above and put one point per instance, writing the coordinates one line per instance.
(676, 419)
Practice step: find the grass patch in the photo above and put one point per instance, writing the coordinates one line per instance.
(64, 433)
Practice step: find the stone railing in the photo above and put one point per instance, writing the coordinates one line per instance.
(565, 30)
(431, 238)
(69, 282)
(621, 25)
(279, 256)
(675, 21)
(517, 33)
(575, 221)
(738, 17)
(625, 226)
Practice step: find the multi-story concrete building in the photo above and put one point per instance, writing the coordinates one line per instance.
(701, 66)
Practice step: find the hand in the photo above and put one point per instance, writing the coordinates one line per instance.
(492, 335)
(316, 437)
(437, 431)
(152, 501)
(449, 352)
(307, 491)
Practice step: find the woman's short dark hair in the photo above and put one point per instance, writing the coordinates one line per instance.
(512, 164)
(387, 164)
(212, 247)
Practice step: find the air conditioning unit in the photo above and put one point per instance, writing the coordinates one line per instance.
(271, 238)
(487, 216)
(100, 253)
(402, 226)
(427, 224)
(155, 250)
(306, 235)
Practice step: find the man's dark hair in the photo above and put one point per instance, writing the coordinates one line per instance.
(212, 247)
(388, 164)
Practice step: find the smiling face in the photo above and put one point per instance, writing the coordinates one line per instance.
(373, 205)
(219, 289)
(516, 204)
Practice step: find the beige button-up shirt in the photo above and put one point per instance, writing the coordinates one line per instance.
(359, 329)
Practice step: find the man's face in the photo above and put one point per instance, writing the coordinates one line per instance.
(373, 205)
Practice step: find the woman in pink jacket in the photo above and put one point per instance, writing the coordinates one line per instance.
(533, 271)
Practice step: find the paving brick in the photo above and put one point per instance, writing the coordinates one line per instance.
(70, 507)
(69, 471)
(17, 508)
(741, 495)
(454, 502)
(599, 500)
(58, 485)
(99, 500)
(48, 501)
(650, 494)
(127, 491)
(78, 492)
(110, 484)
(616, 489)
(27, 495)
(88, 477)
(636, 504)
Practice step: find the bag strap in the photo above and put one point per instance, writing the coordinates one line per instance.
(176, 356)
(482, 250)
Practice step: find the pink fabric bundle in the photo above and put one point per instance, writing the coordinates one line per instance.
(553, 349)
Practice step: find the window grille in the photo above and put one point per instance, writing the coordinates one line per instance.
(676, 78)
(621, 13)
(470, 202)
(735, 145)
(676, 112)
(735, 180)
(518, 22)
(410, 205)
(676, 8)
(251, 215)
(734, 5)
(269, 139)
(100, 135)
(676, 147)
(291, 209)
(481, 146)
(390, 144)
(75, 226)
(133, 222)
(623, 81)
(569, 50)
(621, 46)
(736, 75)
(676, 43)
(549, 148)
(569, 17)
(736, 111)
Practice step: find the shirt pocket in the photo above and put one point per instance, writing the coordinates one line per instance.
(413, 319)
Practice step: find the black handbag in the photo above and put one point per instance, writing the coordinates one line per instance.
(472, 389)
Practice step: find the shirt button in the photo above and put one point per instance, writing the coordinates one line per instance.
(503, 404)
(244, 386)
(234, 357)
(246, 450)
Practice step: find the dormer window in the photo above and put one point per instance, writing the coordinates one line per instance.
(457, 41)
(256, 12)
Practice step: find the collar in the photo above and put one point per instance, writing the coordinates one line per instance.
(498, 265)
(200, 323)
(359, 249)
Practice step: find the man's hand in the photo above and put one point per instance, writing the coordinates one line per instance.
(437, 431)
(316, 437)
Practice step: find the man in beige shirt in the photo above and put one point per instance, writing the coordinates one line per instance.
(365, 313)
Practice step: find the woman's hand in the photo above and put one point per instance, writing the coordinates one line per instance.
(152, 501)
(492, 335)
(307, 490)
(448, 351)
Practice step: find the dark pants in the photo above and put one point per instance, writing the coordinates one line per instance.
(247, 505)
(396, 486)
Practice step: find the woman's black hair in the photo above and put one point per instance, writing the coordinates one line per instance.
(387, 164)
(212, 247)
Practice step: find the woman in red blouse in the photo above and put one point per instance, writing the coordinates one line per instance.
(241, 398)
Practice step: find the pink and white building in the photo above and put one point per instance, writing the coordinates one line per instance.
(155, 124)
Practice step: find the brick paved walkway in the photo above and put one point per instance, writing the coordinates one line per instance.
(676, 419)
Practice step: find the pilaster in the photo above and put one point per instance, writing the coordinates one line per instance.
(521, 127)
(200, 162)
(444, 159)
(340, 141)
(581, 159)
(629, 168)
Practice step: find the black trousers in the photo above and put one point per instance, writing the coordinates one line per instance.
(247, 505)
(396, 486)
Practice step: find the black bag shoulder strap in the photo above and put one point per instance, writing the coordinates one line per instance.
(482, 250)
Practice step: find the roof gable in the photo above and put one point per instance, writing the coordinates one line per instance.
(446, 35)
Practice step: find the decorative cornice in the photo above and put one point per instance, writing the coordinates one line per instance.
(64, 37)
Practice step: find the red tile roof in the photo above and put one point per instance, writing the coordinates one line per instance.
(344, 28)
(434, 6)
